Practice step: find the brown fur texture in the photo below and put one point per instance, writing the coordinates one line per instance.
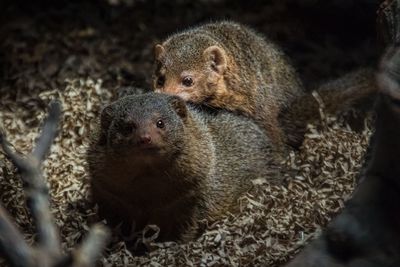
(228, 65)
(195, 168)
(232, 67)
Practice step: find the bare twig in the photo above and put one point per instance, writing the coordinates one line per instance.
(48, 251)
(10, 237)
(49, 132)
(90, 248)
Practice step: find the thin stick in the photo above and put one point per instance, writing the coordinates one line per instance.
(89, 250)
(10, 239)
(36, 190)
(48, 252)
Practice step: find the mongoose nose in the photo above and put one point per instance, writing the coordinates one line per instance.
(145, 139)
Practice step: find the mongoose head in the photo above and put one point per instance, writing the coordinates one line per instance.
(148, 124)
(191, 66)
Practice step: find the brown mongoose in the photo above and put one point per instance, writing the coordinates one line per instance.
(228, 65)
(367, 231)
(157, 160)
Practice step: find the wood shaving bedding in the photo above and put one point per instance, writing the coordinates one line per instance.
(274, 222)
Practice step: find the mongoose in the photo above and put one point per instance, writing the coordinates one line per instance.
(157, 160)
(230, 66)
(367, 232)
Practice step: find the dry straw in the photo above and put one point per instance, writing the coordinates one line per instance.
(274, 223)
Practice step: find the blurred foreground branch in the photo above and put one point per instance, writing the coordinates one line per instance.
(48, 251)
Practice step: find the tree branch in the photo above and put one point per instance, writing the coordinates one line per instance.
(48, 252)
(10, 239)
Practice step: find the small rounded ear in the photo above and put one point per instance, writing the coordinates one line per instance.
(105, 122)
(179, 105)
(217, 57)
(106, 117)
(159, 51)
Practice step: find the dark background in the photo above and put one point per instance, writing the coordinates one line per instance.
(45, 42)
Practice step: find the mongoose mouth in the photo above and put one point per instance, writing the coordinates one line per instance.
(137, 149)
(145, 149)
(148, 148)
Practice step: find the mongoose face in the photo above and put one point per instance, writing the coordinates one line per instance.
(190, 66)
(192, 168)
(143, 125)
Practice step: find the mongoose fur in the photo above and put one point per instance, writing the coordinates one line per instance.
(157, 160)
(228, 65)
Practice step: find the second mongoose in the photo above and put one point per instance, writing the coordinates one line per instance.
(157, 160)
(230, 66)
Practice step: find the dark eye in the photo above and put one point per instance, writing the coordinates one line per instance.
(161, 81)
(187, 81)
(160, 124)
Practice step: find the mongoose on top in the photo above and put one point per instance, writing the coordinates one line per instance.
(228, 65)
(157, 160)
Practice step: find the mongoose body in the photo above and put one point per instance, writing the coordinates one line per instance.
(157, 160)
(228, 65)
